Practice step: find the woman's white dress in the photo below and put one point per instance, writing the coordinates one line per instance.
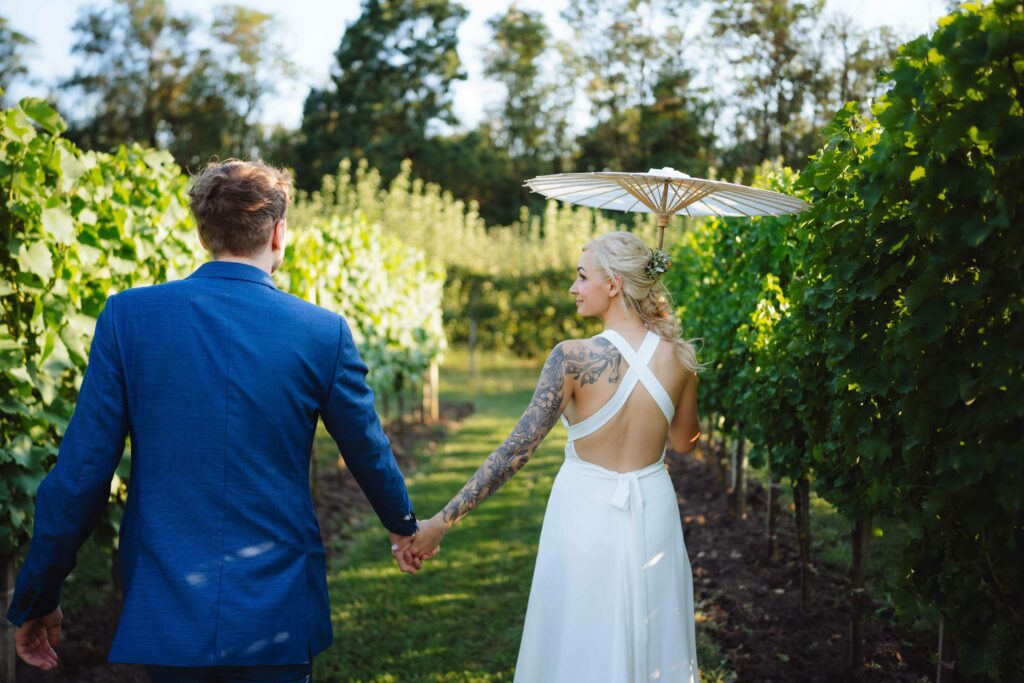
(612, 593)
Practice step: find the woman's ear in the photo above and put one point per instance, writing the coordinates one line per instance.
(614, 286)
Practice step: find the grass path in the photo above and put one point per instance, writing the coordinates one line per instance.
(461, 617)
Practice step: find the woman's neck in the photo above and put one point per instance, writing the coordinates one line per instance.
(622, 321)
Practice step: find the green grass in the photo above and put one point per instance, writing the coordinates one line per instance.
(459, 619)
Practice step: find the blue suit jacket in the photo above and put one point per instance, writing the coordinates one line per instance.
(219, 380)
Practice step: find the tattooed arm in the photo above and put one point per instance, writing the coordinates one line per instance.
(553, 392)
(569, 364)
(549, 400)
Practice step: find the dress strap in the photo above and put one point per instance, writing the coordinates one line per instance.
(638, 361)
(606, 412)
(637, 372)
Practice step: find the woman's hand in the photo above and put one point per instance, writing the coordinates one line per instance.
(427, 541)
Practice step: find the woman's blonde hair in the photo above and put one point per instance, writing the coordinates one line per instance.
(625, 256)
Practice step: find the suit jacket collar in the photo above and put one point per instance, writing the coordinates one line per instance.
(233, 271)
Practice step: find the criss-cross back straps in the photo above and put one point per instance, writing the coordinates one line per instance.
(638, 363)
(638, 371)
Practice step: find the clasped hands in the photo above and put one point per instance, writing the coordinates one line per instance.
(412, 551)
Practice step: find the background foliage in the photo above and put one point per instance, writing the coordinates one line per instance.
(888, 319)
(78, 226)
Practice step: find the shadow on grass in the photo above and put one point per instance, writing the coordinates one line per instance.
(460, 619)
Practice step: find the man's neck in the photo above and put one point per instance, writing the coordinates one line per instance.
(263, 262)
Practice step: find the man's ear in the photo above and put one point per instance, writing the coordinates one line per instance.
(277, 237)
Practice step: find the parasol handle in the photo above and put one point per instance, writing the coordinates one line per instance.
(662, 222)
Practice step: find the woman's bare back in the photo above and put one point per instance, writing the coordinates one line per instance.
(635, 437)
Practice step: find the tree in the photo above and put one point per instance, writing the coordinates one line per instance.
(621, 47)
(644, 108)
(390, 89)
(12, 55)
(862, 54)
(146, 78)
(529, 128)
(673, 130)
(530, 124)
(769, 44)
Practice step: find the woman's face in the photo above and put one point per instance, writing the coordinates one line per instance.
(592, 288)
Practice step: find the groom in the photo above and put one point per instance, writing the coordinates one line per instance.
(219, 380)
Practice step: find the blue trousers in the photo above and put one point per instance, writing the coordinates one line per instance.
(288, 673)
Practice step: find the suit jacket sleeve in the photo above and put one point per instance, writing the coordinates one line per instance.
(72, 496)
(351, 418)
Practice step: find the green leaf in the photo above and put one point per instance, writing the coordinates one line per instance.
(43, 114)
(36, 259)
(17, 126)
(57, 222)
(71, 168)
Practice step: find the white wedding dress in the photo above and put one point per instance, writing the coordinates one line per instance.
(612, 593)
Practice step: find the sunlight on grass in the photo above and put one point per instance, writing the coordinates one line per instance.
(460, 619)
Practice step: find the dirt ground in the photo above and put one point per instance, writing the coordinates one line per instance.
(755, 604)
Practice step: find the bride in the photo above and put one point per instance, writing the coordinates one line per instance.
(612, 594)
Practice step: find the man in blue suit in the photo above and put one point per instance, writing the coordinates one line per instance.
(219, 380)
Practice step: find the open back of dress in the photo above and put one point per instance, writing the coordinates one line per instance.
(612, 592)
(638, 372)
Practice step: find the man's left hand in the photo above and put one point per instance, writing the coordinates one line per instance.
(34, 640)
(407, 562)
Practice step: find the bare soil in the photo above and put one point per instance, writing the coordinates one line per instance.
(754, 603)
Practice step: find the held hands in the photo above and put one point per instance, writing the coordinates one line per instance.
(400, 549)
(411, 551)
(34, 640)
(427, 542)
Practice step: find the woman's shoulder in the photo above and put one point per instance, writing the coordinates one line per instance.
(570, 347)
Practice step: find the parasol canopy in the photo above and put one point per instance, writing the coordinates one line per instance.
(665, 192)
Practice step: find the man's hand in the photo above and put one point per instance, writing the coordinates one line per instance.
(407, 562)
(427, 542)
(34, 640)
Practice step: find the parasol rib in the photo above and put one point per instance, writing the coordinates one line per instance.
(730, 198)
(691, 199)
(640, 196)
(576, 191)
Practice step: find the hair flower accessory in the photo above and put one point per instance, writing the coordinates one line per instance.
(658, 264)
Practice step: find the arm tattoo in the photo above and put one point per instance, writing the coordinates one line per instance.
(584, 364)
(540, 416)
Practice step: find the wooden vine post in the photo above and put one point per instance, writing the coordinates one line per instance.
(8, 658)
(858, 594)
(946, 664)
(802, 501)
(474, 299)
(738, 490)
(772, 514)
(740, 499)
(431, 394)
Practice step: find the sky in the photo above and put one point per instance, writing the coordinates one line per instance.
(312, 30)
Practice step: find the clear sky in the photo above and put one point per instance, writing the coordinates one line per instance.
(313, 29)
